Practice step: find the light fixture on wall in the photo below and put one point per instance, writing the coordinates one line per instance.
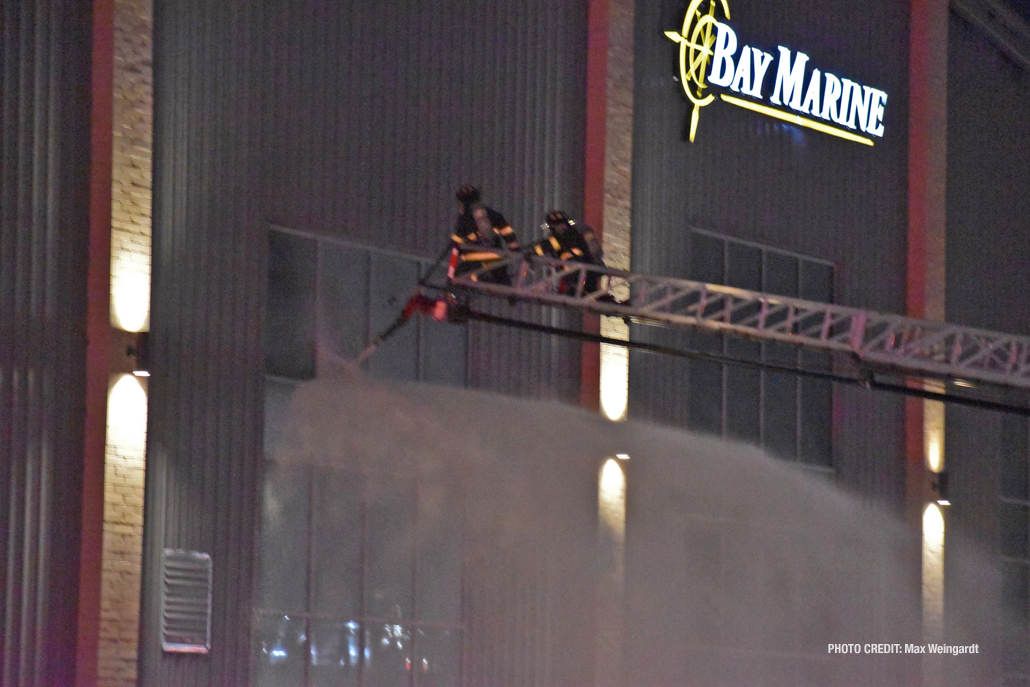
(940, 487)
(139, 352)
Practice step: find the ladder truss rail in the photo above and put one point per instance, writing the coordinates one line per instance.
(901, 343)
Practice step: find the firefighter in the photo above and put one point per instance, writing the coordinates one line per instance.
(575, 243)
(480, 234)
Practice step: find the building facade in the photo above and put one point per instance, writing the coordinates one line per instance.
(305, 157)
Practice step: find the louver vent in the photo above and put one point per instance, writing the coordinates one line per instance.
(186, 601)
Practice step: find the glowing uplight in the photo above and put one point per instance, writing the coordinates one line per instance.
(933, 572)
(130, 293)
(796, 119)
(614, 381)
(933, 435)
(611, 541)
(127, 415)
(611, 498)
(622, 456)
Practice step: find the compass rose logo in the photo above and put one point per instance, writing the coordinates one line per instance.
(696, 39)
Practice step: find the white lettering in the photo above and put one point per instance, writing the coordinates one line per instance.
(742, 77)
(811, 103)
(819, 94)
(882, 648)
(789, 78)
(874, 124)
(722, 62)
(830, 96)
(843, 648)
(762, 62)
(859, 106)
(845, 101)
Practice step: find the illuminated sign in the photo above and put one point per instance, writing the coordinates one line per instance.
(709, 57)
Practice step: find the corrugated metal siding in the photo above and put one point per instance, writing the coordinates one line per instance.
(988, 252)
(206, 390)
(45, 48)
(752, 178)
(987, 286)
(370, 116)
(376, 113)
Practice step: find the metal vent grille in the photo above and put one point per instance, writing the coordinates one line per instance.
(186, 601)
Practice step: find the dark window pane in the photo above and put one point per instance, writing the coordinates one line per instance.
(744, 267)
(278, 395)
(706, 259)
(344, 300)
(284, 539)
(393, 280)
(744, 271)
(781, 274)
(780, 428)
(743, 395)
(290, 311)
(438, 658)
(443, 352)
(816, 422)
(279, 650)
(816, 431)
(389, 657)
(781, 354)
(390, 546)
(705, 413)
(438, 573)
(1014, 457)
(1012, 519)
(337, 543)
(335, 653)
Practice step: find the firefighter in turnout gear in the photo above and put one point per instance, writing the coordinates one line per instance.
(480, 235)
(575, 243)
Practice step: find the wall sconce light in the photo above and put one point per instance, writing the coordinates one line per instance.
(939, 486)
(139, 351)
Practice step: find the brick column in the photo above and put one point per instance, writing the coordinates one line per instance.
(125, 459)
(607, 208)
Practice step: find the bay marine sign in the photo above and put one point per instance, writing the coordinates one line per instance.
(709, 56)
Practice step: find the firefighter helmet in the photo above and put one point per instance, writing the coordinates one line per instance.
(558, 221)
(468, 195)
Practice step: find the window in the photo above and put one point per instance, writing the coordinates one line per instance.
(360, 581)
(788, 415)
(329, 298)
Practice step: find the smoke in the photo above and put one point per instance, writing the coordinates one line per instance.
(739, 569)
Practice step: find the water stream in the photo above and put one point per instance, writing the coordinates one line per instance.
(732, 569)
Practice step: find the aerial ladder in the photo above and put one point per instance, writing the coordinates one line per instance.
(929, 359)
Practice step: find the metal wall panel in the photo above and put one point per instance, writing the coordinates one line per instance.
(353, 121)
(757, 179)
(45, 51)
(376, 113)
(987, 247)
(206, 391)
